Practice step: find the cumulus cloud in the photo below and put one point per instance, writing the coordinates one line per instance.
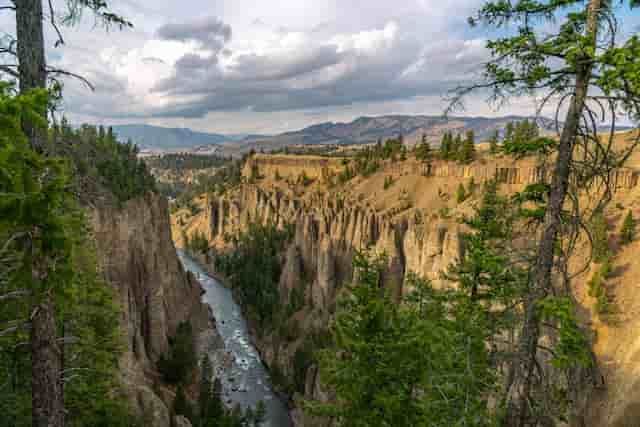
(346, 57)
(210, 32)
(301, 71)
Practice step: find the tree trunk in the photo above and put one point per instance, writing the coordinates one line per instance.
(46, 393)
(523, 369)
(31, 58)
(46, 358)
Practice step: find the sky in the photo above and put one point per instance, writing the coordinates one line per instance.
(256, 66)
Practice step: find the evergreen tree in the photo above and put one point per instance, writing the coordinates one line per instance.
(467, 151)
(456, 147)
(446, 146)
(508, 132)
(181, 405)
(600, 238)
(212, 410)
(628, 230)
(42, 224)
(389, 367)
(423, 150)
(461, 194)
(493, 142)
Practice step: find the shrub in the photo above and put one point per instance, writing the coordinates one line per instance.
(198, 243)
(181, 405)
(304, 180)
(302, 359)
(628, 231)
(600, 238)
(388, 182)
(179, 362)
(254, 269)
(461, 194)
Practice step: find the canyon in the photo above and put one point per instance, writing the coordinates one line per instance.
(416, 224)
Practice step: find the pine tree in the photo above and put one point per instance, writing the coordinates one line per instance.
(212, 410)
(456, 147)
(600, 238)
(387, 362)
(181, 405)
(467, 152)
(423, 150)
(628, 230)
(508, 132)
(461, 194)
(493, 142)
(445, 146)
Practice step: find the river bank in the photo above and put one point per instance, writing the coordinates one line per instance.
(245, 379)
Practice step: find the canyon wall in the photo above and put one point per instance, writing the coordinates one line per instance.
(331, 224)
(505, 169)
(138, 257)
(319, 259)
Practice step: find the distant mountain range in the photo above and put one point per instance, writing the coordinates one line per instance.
(359, 131)
(161, 138)
(370, 129)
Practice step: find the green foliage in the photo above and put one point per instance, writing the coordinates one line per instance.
(409, 364)
(454, 148)
(177, 366)
(597, 288)
(461, 193)
(304, 180)
(346, 175)
(600, 238)
(534, 59)
(227, 176)
(211, 410)
(42, 224)
(198, 243)
(467, 151)
(494, 148)
(388, 182)
(523, 139)
(532, 203)
(423, 150)
(446, 146)
(296, 300)
(628, 230)
(302, 360)
(181, 405)
(254, 174)
(571, 348)
(254, 267)
(472, 186)
(99, 159)
(485, 274)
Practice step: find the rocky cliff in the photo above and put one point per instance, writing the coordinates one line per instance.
(138, 258)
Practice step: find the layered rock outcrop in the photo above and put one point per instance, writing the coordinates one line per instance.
(138, 258)
(505, 170)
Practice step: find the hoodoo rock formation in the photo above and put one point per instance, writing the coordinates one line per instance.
(416, 224)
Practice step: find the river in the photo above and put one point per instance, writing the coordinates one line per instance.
(247, 381)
